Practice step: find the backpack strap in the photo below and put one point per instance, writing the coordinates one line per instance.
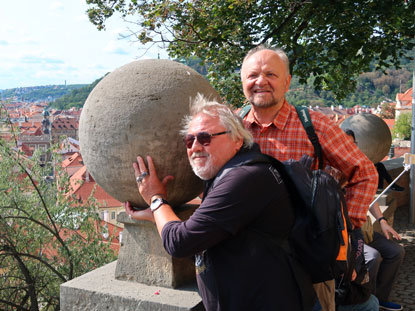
(244, 111)
(305, 119)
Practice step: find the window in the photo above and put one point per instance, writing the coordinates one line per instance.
(112, 215)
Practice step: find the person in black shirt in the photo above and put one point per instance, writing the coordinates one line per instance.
(245, 200)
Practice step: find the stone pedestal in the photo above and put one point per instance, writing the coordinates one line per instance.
(99, 290)
(142, 257)
(143, 278)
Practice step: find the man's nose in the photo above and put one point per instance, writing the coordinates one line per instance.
(261, 80)
(196, 146)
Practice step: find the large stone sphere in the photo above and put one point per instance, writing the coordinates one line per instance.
(373, 136)
(137, 110)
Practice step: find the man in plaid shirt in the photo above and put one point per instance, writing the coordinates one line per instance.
(277, 129)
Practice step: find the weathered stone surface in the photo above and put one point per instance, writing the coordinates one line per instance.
(137, 110)
(142, 257)
(99, 290)
(372, 135)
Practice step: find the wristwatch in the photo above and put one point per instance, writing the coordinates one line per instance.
(380, 218)
(156, 203)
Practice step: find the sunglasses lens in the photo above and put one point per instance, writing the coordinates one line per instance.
(189, 141)
(203, 138)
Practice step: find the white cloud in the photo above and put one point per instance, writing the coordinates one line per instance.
(52, 41)
(116, 47)
(56, 6)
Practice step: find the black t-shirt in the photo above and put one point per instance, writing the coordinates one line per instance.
(236, 270)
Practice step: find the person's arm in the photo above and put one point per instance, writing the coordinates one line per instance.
(344, 155)
(386, 228)
(151, 188)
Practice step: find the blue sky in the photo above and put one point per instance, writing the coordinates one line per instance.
(46, 42)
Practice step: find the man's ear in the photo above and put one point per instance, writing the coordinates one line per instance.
(240, 143)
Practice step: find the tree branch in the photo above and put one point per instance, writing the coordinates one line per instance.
(295, 8)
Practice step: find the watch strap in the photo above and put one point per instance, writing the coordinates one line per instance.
(380, 218)
(156, 203)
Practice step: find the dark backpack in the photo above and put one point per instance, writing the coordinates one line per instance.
(319, 237)
(351, 291)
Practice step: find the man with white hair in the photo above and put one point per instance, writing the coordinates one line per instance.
(245, 206)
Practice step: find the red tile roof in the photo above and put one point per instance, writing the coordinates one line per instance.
(113, 230)
(83, 184)
(30, 124)
(405, 98)
(390, 123)
(28, 151)
(66, 123)
(73, 160)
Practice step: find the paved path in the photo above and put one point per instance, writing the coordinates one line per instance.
(404, 289)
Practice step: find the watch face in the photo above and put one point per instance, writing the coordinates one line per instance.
(156, 204)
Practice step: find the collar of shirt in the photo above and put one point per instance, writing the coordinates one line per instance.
(279, 122)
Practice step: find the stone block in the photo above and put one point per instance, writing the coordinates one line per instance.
(99, 290)
(143, 259)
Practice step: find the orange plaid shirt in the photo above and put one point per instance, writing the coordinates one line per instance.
(286, 138)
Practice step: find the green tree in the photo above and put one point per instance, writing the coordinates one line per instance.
(76, 98)
(331, 41)
(387, 111)
(46, 237)
(403, 125)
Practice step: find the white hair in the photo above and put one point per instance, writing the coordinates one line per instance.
(228, 119)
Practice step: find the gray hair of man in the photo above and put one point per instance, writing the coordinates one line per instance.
(280, 52)
(228, 119)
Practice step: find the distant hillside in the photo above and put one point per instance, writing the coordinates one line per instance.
(46, 93)
(372, 88)
(76, 98)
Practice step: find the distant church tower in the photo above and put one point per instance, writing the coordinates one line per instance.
(46, 122)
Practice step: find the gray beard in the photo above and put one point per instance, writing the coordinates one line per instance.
(206, 172)
(267, 104)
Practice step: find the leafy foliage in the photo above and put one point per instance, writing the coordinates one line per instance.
(387, 111)
(403, 125)
(330, 41)
(46, 237)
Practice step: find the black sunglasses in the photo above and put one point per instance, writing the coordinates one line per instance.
(204, 138)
